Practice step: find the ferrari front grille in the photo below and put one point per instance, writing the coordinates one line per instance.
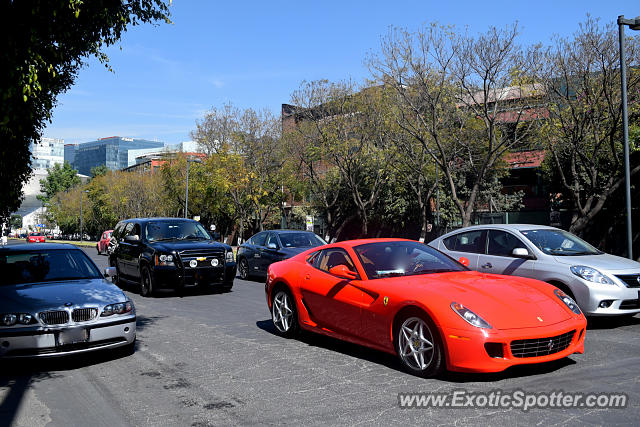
(84, 314)
(59, 317)
(541, 346)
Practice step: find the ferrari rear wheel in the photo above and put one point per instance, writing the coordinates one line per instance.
(283, 313)
(418, 346)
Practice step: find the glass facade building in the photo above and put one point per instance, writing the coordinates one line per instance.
(113, 152)
(47, 152)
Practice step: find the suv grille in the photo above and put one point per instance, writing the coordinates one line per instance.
(631, 280)
(541, 346)
(84, 314)
(188, 255)
(54, 317)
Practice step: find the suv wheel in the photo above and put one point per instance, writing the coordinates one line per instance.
(146, 283)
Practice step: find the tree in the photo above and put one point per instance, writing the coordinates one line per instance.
(43, 49)
(99, 171)
(15, 221)
(458, 96)
(584, 126)
(59, 178)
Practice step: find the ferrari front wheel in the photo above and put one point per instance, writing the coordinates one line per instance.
(418, 345)
(284, 313)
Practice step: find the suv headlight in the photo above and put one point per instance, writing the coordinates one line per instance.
(568, 301)
(469, 316)
(164, 259)
(229, 256)
(118, 308)
(591, 274)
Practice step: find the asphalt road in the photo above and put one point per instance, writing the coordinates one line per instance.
(214, 359)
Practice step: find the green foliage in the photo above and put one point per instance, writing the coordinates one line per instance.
(59, 178)
(15, 221)
(99, 171)
(42, 51)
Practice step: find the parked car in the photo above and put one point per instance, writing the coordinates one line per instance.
(103, 244)
(170, 253)
(256, 254)
(54, 301)
(35, 237)
(601, 284)
(409, 299)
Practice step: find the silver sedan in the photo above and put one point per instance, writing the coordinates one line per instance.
(54, 301)
(601, 284)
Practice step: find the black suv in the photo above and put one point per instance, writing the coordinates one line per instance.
(170, 253)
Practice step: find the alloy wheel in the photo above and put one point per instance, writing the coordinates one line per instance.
(244, 269)
(416, 343)
(282, 312)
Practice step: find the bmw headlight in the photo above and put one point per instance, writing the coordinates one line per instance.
(591, 274)
(469, 316)
(11, 319)
(229, 256)
(568, 301)
(117, 308)
(164, 259)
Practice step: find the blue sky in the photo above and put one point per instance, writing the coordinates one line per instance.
(256, 53)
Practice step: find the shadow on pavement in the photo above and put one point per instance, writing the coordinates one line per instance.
(594, 323)
(18, 375)
(391, 361)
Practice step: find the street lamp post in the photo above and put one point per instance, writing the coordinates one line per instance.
(186, 196)
(633, 24)
(81, 214)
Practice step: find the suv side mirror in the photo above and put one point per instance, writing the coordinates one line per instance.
(110, 272)
(272, 245)
(521, 253)
(132, 238)
(343, 272)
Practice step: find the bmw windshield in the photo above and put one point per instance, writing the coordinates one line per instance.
(403, 258)
(559, 242)
(175, 230)
(45, 266)
(300, 240)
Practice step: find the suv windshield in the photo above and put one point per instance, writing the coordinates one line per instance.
(559, 242)
(400, 258)
(300, 240)
(46, 266)
(175, 230)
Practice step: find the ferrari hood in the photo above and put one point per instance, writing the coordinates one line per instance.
(506, 302)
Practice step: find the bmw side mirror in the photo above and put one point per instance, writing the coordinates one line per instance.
(272, 246)
(521, 253)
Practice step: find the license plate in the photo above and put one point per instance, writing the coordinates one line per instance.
(73, 336)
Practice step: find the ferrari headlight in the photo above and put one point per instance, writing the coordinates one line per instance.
(568, 301)
(164, 259)
(229, 256)
(118, 308)
(591, 274)
(469, 316)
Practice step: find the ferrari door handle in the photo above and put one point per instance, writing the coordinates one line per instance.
(487, 265)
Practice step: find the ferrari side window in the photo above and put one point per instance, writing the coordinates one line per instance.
(313, 257)
(332, 257)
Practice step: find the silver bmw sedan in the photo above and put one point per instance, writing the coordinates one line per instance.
(54, 301)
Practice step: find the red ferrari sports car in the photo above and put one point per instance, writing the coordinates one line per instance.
(408, 299)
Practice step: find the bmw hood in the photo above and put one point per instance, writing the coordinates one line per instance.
(600, 262)
(291, 252)
(54, 295)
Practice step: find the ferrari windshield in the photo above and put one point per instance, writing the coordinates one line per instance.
(300, 240)
(176, 230)
(403, 258)
(45, 266)
(559, 242)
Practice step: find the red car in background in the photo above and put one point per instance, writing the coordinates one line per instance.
(411, 300)
(35, 238)
(103, 244)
